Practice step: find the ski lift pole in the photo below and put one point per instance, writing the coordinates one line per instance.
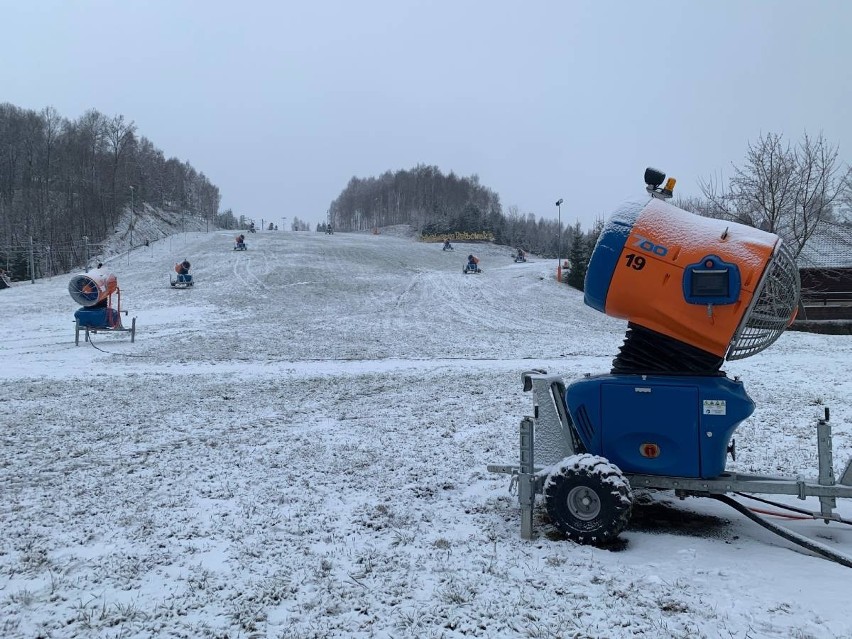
(32, 262)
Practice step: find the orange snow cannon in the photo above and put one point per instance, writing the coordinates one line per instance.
(90, 289)
(695, 292)
(93, 292)
(706, 285)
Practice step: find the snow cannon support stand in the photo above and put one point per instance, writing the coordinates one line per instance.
(695, 292)
(94, 291)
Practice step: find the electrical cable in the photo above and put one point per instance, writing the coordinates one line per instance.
(789, 535)
(97, 348)
(781, 515)
(803, 511)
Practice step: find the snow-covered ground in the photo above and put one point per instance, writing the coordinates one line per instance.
(297, 447)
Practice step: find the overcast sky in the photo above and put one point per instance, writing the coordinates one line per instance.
(281, 103)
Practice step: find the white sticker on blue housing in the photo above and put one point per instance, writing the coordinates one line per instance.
(715, 407)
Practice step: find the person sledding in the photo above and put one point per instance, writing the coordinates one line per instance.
(240, 243)
(520, 256)
(447, 245)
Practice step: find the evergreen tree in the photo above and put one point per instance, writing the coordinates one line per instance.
(579, 260)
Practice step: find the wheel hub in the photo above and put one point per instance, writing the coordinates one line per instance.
(583, 503)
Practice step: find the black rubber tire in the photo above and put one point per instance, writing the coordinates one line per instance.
(588, 499)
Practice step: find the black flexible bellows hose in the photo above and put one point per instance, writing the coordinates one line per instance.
(647, 352)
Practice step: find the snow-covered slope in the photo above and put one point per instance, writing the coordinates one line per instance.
(297, 447)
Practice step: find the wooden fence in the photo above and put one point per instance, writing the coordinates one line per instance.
(826, 294)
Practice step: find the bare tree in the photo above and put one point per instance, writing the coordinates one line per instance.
(818, 188)
(119, 135)
(697, 205)
(760, 192)
(846, 198)
(52, 126)
(783, 190)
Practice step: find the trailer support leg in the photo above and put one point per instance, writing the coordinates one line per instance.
(826, 467)
(526, 478)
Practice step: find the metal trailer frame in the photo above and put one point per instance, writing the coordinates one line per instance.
(176, 282)
(106, 329)
(552, 425)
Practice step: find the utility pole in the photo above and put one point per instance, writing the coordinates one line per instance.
(86, 251)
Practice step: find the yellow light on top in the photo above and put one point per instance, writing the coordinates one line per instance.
(670, 184)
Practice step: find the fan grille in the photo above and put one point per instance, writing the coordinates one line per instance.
(773, 306)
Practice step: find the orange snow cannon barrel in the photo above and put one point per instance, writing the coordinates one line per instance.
(723, 288)
(88, 289)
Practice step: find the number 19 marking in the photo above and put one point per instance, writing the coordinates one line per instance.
(635, 261)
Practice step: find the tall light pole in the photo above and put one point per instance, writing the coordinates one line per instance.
(559, 243)
(131, 215)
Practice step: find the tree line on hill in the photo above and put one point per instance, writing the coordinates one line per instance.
(794, 191)
(436, 204)
(64, 180)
